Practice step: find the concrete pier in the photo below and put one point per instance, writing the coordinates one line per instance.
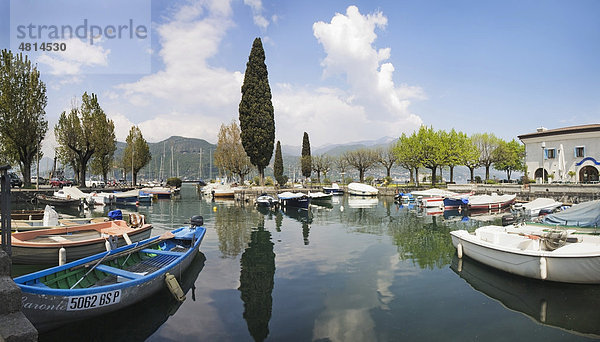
(13, 324)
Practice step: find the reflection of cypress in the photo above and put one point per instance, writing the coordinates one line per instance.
(256, 283)
(305, 231)
(278, 220)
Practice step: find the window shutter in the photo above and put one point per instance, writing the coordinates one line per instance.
(545, 154)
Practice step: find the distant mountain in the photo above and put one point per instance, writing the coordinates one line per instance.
(335, 150)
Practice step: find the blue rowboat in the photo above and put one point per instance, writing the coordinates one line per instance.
(109, 281)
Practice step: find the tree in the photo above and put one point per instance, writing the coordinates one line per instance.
(341, 164)
(321, 164)
(362, 160)
(470, 158)
(102, 159)
(230, 154)
(22, 102)
(455, 146)
(509, 157)
(136, 154)
(278, 166)
(387, 158)
(431, 152)
(486, 144)
(306, 160)
(407, 152)
(79, 133)
(257, 119)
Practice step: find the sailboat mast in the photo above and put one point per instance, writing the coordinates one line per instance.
(200, 167)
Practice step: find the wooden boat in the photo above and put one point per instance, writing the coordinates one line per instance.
(57, 201)
(265, 200)
(361, 189)
(294, 199)
(487, 202)
(37, 214)
(333, 189)
(534, 207)
(533, 252)
(42, 246)
(26, 225)
(109, 281)
(159, 192)
(432, 197)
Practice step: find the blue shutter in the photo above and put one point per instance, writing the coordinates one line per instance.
(545, 154)
(575, 152)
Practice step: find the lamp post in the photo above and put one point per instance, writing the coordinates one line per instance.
(543, 149)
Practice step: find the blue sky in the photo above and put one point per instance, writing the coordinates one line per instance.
(341, 71)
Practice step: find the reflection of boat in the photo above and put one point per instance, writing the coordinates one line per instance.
(573, 308)
(334, 189)
(108, 281)
(533, 252)
(361, 189)
(487, 202)
(304, 216)
(146, 316)
(432, 197)
(362, 202)
(42, 246)
(294, 199)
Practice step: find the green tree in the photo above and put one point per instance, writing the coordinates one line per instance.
(407, 150)
(486, 144)
(22, 116)
(102, 160)
(230, 154)
(362, 160)
(257, 119)
(455, 146)
(79, 133)
(431, 151)
(509, 157)
(306, 160)
(278, 166)
(470, 157)
(136, 154)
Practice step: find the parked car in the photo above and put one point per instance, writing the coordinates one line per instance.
(94, 183)
(15, 180)
(58, 182)
(41, 180)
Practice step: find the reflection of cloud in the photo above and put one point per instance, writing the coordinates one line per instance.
(385, 278)
(345, 325)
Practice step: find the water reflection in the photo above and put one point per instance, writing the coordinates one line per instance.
(571, 307)
(233, 232)
(256, 282)
(303, 216)
(136, 322)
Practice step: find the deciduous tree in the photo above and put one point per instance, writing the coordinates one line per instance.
(321, 164)
(362, 160)
(230, 154)
(509, 157)
(136, 154)
(22, 116)
(103, 158)
(486, 144)
(257, 120)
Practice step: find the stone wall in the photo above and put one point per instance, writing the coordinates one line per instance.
(13, 324)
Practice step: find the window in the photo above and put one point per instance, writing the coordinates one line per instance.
(551, 153)
(579, 151)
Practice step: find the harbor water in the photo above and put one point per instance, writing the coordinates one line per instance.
(354, 269)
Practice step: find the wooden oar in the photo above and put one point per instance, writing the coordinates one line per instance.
(164, 236)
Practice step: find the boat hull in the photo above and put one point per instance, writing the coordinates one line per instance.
(50, 308)
(568, 269)
(301, 202)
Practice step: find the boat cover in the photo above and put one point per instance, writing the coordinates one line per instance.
(585, 214)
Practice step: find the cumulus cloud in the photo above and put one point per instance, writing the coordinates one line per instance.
(348, 43)
(257, 16)
(70, 62)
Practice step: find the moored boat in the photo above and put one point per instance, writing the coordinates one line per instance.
(57, 201)
(533, 252)
(266, 200)
(586, 214)
(319, 196)
(333, 189)
(294, 199)
(43, 246)
(488, 202)
(534, 207)
(109, 281)
(361, 189)
(36, 214)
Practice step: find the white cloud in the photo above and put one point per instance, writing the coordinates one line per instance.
(257, 16)
(348, 43)
(78, 54)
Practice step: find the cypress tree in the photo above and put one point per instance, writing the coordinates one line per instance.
(278, 166)
(306, 160)
(257, 119)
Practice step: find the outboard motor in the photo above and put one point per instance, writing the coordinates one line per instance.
(508, 219)
(197, 221)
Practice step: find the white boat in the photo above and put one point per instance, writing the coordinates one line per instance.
(533, 208)
(487, 202)
(69, 192)
(320, 196)
(361, 189)
(533, 252)
(333, 189)
(431, 198)
(266, 200)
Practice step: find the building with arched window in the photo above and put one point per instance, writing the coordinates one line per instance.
(569, 154)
